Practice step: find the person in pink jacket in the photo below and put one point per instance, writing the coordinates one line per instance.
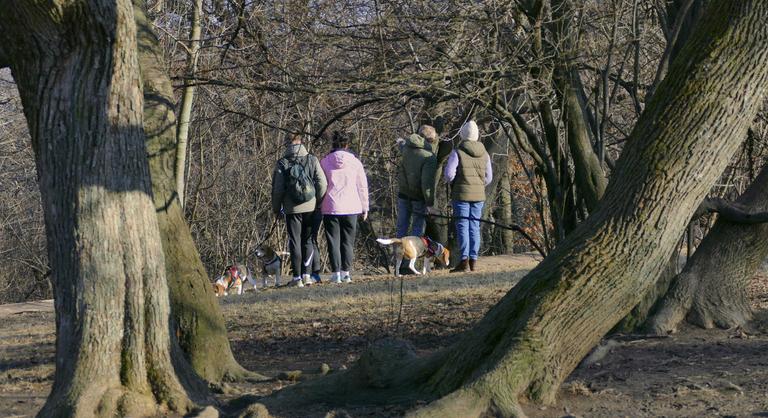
(345, 199)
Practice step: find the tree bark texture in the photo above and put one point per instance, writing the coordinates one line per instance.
(711, 290)
(76, 66)
(638, 316)
(197, 319)
(536, 335)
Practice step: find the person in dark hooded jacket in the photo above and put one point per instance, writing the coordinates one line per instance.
(416, 182)
(468, 170)
(299, 215)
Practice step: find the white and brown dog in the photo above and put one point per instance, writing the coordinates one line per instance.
(271, 264)
(414, 247)
(233, 278)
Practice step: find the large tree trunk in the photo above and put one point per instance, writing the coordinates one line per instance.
(711, 289)
(76, 66)
(536, 335)
(197, 319)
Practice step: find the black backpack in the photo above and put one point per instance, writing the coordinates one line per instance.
(298, 184)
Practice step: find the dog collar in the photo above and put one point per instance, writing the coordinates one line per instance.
(274, 260)
(434, 248)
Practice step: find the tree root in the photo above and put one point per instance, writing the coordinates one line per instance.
(98, 401)
(702, 307)
(238, 373)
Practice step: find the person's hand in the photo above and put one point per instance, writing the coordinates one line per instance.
(400, 141)
(365, 216)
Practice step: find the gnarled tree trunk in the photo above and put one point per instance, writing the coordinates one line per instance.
(711, 290)
(197, 319)
(76, 66)
(536, 335)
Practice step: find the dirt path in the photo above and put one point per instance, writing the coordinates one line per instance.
(694, 373)
(514, 262)
(34, 306)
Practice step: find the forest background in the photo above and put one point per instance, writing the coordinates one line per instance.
(556, 99)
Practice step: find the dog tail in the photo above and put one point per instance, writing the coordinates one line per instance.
(388, 241)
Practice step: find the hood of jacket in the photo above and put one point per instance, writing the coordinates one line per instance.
(295, 150)
(339, 159)
(415, 141)
(472, 148)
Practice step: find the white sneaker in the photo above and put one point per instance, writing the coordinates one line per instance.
(296, 282)
(307, 279)
(346, 278)
(336, 277)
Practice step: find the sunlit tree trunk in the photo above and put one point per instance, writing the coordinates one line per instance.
(187, 99)
(197, 319)
(77, 71)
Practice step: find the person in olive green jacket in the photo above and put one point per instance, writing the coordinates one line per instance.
(416, 182)
(468, 170)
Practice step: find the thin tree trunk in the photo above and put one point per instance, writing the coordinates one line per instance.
(77, 71)
(506, 212)
(536, 335)
(497, 147)
(589, 174)
(711, 290)
(197, 319)
(187, 99)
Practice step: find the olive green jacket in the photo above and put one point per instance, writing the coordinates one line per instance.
(417, 172)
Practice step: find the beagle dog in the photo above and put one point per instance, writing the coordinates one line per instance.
(414, 247)
(233, 277)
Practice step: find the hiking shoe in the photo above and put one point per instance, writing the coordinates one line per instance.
(472, 264)
(346, 278)
(336, 277)
(296, 282)
(462, 267)
(316, 277)
(307, 280)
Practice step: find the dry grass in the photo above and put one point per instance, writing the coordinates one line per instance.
(690, 374)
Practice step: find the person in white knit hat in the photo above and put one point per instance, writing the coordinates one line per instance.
(468, 171)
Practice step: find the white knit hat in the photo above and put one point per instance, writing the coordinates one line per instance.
(469, 132)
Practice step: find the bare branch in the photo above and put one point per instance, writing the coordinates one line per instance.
(730, 211)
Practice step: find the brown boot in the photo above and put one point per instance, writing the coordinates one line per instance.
(472, 264)
(462, 267)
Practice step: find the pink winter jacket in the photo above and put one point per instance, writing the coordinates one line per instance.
(347, 192)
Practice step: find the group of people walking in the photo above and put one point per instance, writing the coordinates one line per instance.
(334, 191)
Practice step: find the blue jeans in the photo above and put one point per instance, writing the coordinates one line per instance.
(407, 209)
(468, 231)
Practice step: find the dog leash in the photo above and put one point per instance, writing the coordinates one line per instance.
(512, 227)
(271, 231)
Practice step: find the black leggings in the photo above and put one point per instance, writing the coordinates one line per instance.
(300, 246)
(340, 231)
